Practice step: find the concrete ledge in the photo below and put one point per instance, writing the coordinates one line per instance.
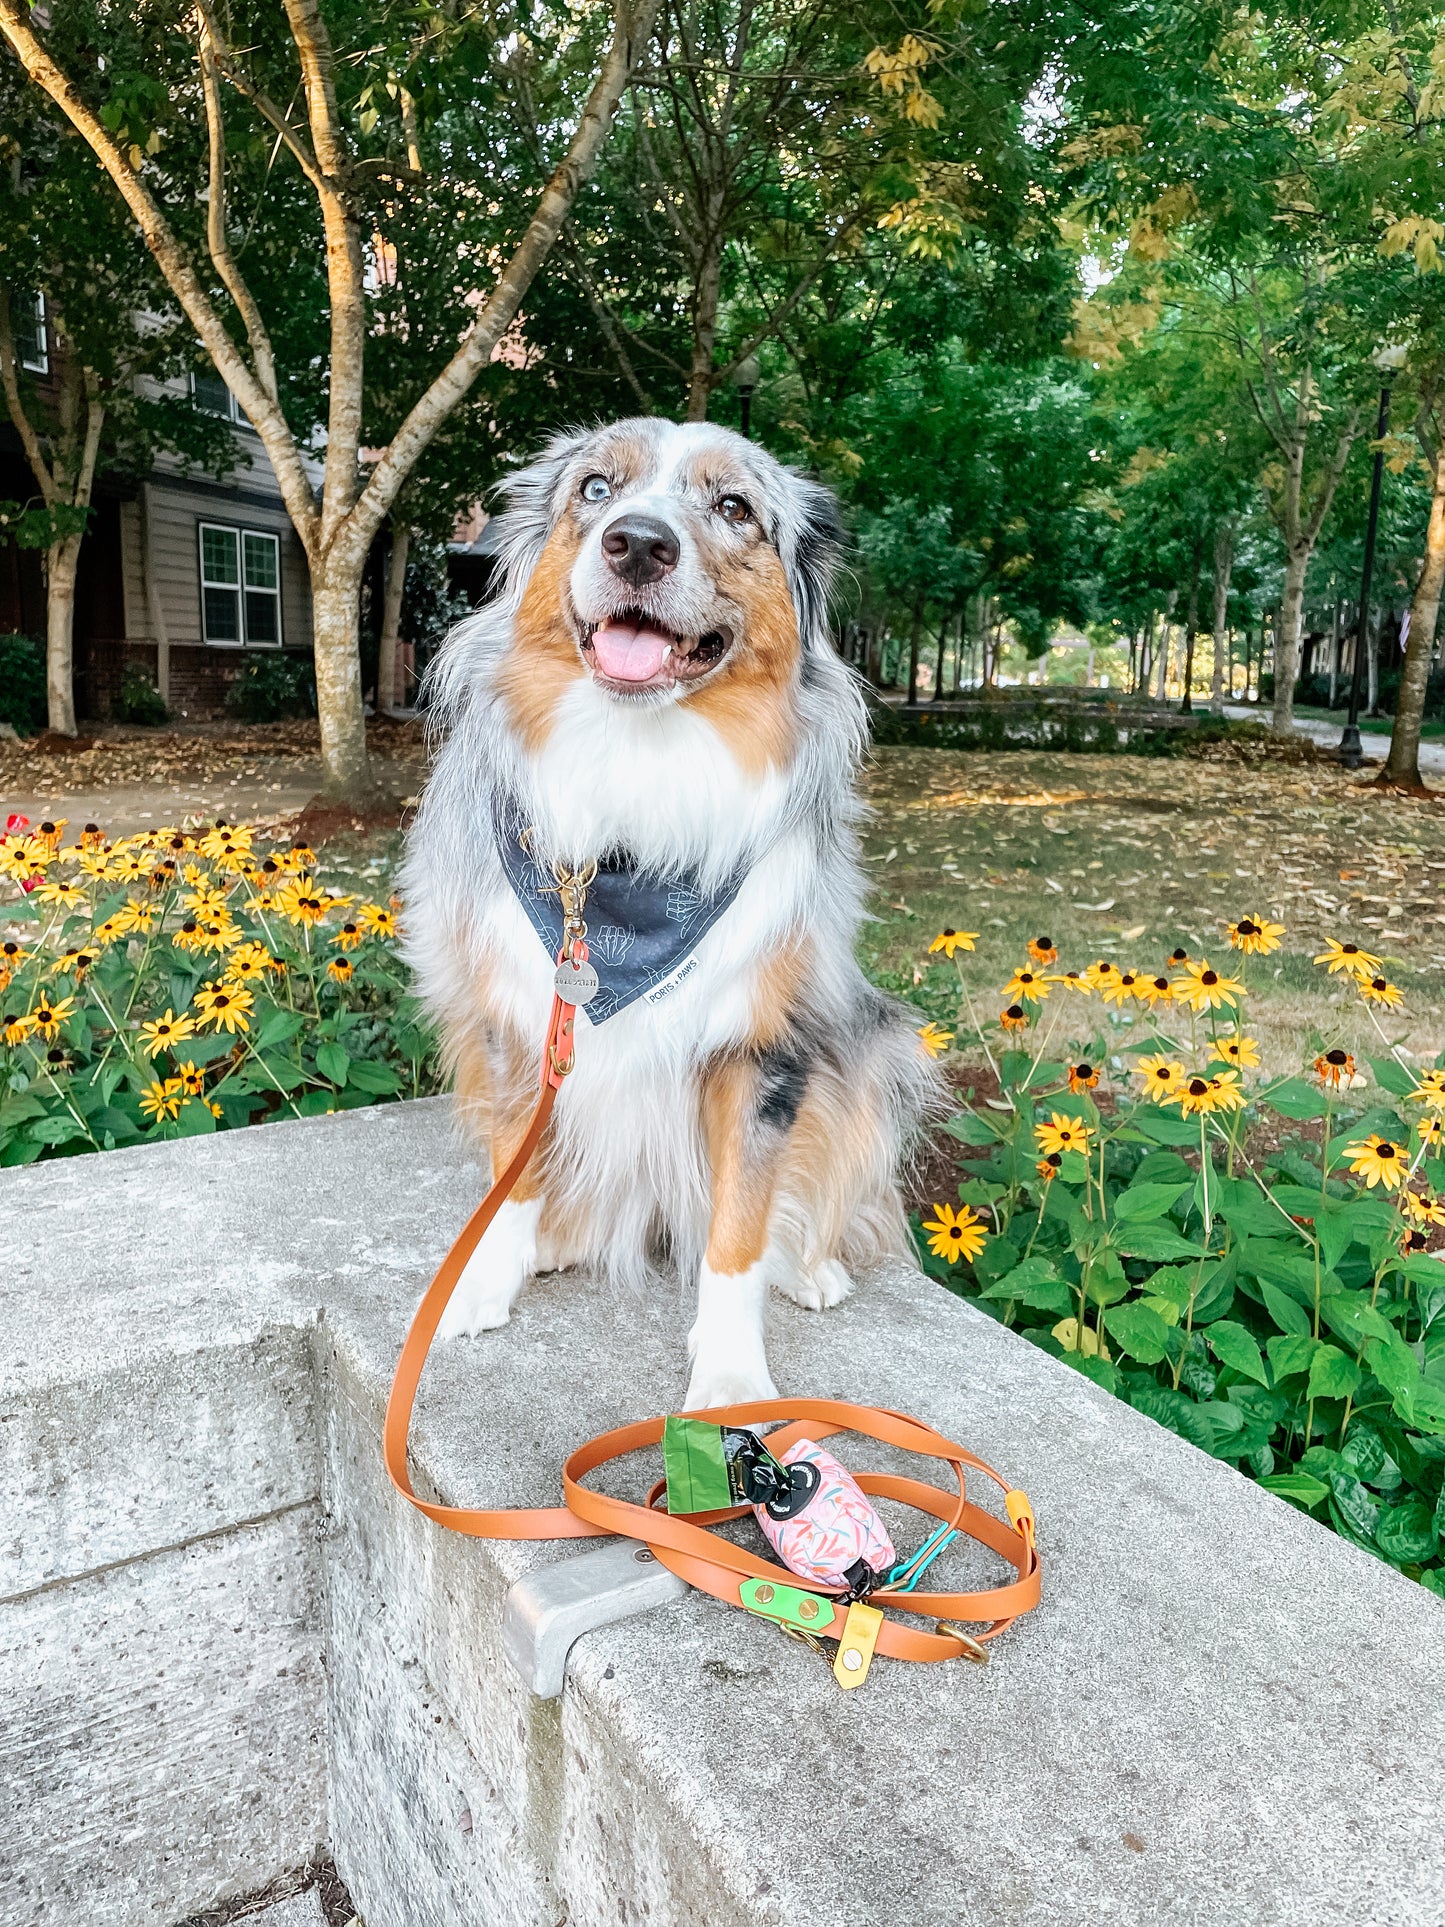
(224, 1641)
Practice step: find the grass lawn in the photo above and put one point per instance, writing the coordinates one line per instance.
(1126, 857)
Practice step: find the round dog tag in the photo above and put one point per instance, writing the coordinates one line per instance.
(575, 983)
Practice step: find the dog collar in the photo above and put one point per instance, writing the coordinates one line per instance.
(642, 932)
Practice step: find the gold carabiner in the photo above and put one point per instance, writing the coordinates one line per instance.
(972, 1650)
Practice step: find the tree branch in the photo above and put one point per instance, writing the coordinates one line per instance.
(24, 427)
(228, 67)
(264, 414)
(611, 328)
(217, 241)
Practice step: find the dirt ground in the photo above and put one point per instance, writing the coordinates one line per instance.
(1111, 856)
(1126, 857)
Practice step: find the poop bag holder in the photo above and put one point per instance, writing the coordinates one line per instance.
(811, 1509)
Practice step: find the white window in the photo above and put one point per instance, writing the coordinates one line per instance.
(210, 393)
(30, 336)
(240, 586)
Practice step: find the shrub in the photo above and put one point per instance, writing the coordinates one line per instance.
(22, 684)
(139, 700)
(271, 685)
(1253, 1262)
(173, 984)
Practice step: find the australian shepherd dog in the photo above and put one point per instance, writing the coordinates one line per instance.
(654, 689)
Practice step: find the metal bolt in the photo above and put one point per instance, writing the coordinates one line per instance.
(807, 1609)
(852, 1659)
(643, 1556)
(763, 1594)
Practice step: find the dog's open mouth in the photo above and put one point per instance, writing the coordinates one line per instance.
(631, 651)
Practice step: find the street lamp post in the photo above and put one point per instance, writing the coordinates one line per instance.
(745, 380)
(1351, 753)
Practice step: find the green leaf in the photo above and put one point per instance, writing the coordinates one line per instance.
(62, 1129)
(1434, 1581)
(1298, 1487)
(1233, 1346)
(1406, 1533)
(1294, 1098)
(969, 1127)
(367, 1075)
(1142, 1203)
(1156, 1241)
(1286, 1311)
(1165, 1128)
(1359, 1507)
(1394, 1364)
(332, 1062)
(279, 1027)
(1332, 1374)
(1138, 1331)
(1351, 1316)
(999, 1257)
(1335, 1227)
(1289, 1354)
(1392, 1076)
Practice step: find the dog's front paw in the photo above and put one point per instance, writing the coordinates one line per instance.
(826, 1284)
(494, 1274)
(721, 1381)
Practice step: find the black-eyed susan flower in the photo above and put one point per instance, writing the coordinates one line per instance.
(48, 1015)
(94, 863)
(1122, 989)
(380, 921)
(340, 971)
(50, 832)
(226, 840)
(1062, 1133)
(77, 961)
(955, 1234)
(249, 963)
(1026, 985)
(1102, 975)
(192, 1079)
(1225, 1091)
(349, 935)
(1177, 957)
(1193, 1094)
(1048, 1168)
(108, 932)
(301, 901)
(62, 891)
(1413, 1242)
(223, 1006)
(1379, 1160)
(1379, 990)
(163, 1100)
(219, 934)
(164, 1033)
(946, 941)
(1161, 1075)
(1153, 990)
(1042, 950)
(92, 837)
(127, 866)
(15, 1027)
(1014, 1018)
(12, 954)
(134, 915)
(1083, 1077)
(1339, 956)
(1256, 936)
(1203, 988)
(1430, 1090)
(1422, 1207)
(1431, 1131)
(1335, 1067)
(1076, 980)
(301, 856)
(1242, 1052)
(933, 1037)
(210, 900)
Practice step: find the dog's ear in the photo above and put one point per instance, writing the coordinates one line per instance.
(531, 499)
(811, 556)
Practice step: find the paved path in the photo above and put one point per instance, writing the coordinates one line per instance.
(1327, 735)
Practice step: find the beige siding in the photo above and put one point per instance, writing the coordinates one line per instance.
(132, 574)
(176, 513)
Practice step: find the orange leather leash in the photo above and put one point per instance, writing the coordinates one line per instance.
(684, 1544)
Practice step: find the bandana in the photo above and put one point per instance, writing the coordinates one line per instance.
(642, 932)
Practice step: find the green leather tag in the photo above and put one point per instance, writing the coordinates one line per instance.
(786, 1604)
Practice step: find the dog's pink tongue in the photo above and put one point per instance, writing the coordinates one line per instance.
(626, 654)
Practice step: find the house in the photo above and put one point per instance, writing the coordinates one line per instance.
(179, 573)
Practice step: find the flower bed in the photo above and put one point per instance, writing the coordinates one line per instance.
(1248, 1260)
(175, 983)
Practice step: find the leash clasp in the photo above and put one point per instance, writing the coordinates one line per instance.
(572, 887)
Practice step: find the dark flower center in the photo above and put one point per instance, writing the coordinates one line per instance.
(1246, 928)
(1377, 983)
(1083, 1070)
(1044, 943)
(1209, 977)
(1349, 950)
(1385, 1151)
(1336, 1057)
(1198, 1086)
(950, 933)
(1014, 1010)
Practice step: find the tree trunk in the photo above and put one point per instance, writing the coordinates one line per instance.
(1223, 569)
(1373, 633)
(1334, 653)
(386, 698)
(1287, 639)
(61, 562)
(938, 665)
(335, 630)
(1402, 765)
(913, 641)
(704, 329)
(1191, 624)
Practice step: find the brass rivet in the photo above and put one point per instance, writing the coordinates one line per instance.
(763, 1595)
(808, 1609)
(852, 1659)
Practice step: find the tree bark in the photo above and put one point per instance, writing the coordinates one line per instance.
(1372, 663)
(386, 700)
(915, 637)
(1402, 765)
(335, 618)
(61, 562)
(1191, 624)
(1287, 637)
(1223, 569)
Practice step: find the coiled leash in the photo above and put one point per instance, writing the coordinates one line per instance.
(811, 1611)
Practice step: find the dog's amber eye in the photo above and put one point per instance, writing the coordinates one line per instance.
(732, 508)
(596, 488)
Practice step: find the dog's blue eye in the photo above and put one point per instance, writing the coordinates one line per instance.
(732, 508)
(596, 488)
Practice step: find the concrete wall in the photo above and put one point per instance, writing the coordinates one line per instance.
(225, 1640)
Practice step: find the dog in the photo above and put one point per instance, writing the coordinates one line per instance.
(653, 688)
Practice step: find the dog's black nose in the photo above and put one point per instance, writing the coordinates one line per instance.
(639, 548)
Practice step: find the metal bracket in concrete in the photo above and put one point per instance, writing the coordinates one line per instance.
(550, 1608)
